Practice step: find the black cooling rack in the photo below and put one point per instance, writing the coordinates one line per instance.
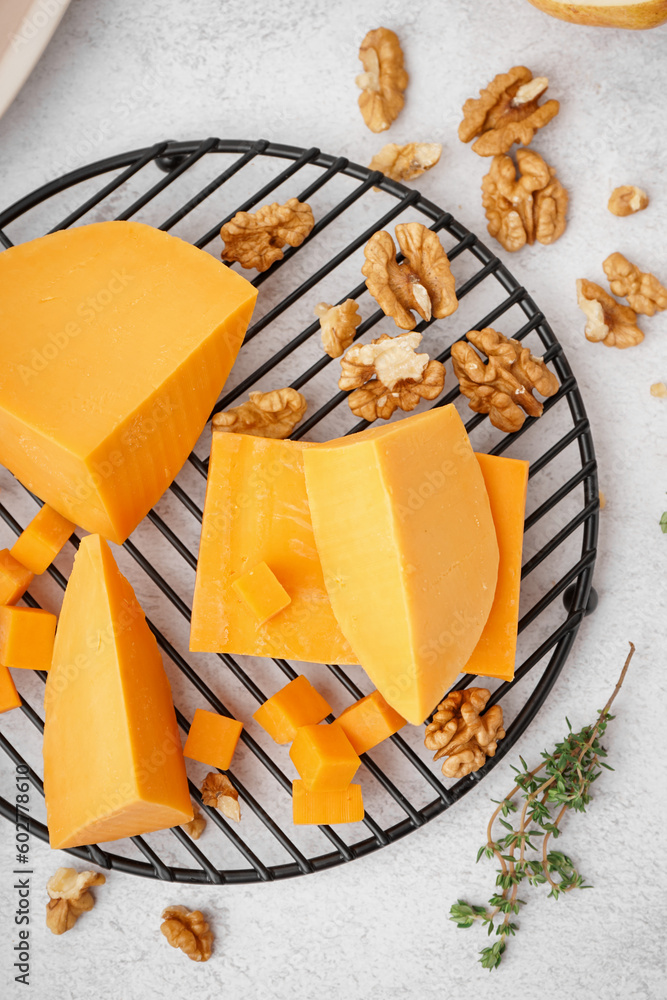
(577, 535)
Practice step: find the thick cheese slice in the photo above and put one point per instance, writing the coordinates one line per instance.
(113, 764)
(115, 340)
(506, 481)
(406, 539)
(256, 510)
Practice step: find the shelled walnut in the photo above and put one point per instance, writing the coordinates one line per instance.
(388, 374)
(384, 79)
(256, 239)
(462, 734)
(643, 291)
(507, 111)
(338, 325)
(524, 208)
(627, 200)
(503, 386)
(606, 319)
(189, 931)
(217, 791)
(272, 414)
(404, 163)
(70, 897)
(423, 282)
(197, 824)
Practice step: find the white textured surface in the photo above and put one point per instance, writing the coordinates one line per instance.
(120, 75)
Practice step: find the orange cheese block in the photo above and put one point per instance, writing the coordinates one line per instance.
(506, 481)
(9, 696)
(262, 592)
(14, 577)
(113, 764)
(26, 637)
(295, 705)
(115, 340)
(369, 721)
(42, 540)
(405, 535)
(256, 510)
(212, 739)
(326, 807)
(324, 757)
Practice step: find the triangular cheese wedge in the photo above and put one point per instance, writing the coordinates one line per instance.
(113, 763)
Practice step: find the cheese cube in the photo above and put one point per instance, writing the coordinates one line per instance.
(9, 696)
(324, 757)
(42, 540)
(295, 705)
(262, 592)
(14, 578)
(369, 721)
(341, 806)
(26, 637)
(116, 339)
(212, 739)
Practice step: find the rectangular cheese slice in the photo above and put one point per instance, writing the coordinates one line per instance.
(506, 481)
(406, 539)
(256, 510)
(113, 763)
(115, 340)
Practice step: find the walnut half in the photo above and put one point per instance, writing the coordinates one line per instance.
(606, 319)
(70, 897)
(338, 325)
(256, 239)
(423, 282)
(524, 208)
(643, 291)
(627, 200)
(218, 791)
(503, 387)
(189, 931)
(507, 111)
(272, 414)
(384, 79)
(404, 163)
(460, 733)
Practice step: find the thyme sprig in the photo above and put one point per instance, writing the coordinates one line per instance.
(561, 782)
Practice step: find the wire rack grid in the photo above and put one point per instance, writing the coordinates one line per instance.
(569, 540)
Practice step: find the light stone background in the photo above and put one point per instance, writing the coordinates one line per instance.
(118, 75)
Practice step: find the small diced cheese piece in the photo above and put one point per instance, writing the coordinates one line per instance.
(369, 721)
(26, 637)
(506, 481)
(404, 531)
(212, 739)
(262, 592)
(328, 807)
(113, 763)
(324, 757)
(42, 540)
(9, 696)
(14, 578)
(295, 705)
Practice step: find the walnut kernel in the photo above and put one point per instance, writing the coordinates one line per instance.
(643, 291)
(627, 200)
(256, 239)
(188, 930)
(384, 79)
(606, 319)
(522, 209)
(460, 733)
(197, 824)
(404, 163)
(272, 414)
(70, 897)
(422, 282)
(217, 791)
(338, 325)
(507, 111)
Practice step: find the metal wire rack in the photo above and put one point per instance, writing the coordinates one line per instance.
(547, 627)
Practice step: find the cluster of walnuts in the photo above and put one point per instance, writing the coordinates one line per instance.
(609, 321)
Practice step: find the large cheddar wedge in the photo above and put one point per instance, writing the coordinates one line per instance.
(405, 535)
(256, 511)
(115, 340)
(113, 764)
(506, 481)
